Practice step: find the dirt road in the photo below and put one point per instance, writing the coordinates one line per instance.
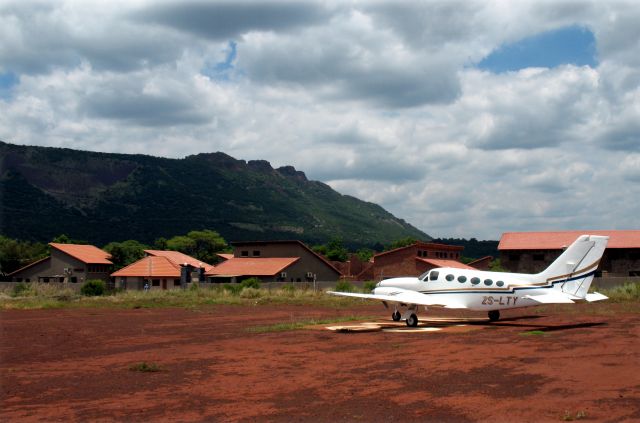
(66, 365)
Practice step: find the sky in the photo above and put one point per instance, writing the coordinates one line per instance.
(465, 118)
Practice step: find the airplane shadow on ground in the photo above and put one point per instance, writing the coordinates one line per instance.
(543, 328)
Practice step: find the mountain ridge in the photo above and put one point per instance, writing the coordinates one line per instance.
(102, 197)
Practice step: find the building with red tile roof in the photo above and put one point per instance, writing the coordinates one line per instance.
(413, 260)
(160, 269)
(532, 252)
(274, 261)
(265, 268)
(73, 263)
(179, 258)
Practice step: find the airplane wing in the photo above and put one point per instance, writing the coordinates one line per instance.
(553, 297)
(403, 296)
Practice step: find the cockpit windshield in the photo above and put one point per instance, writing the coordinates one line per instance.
(424, 277)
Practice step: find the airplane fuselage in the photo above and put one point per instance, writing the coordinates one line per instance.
(471, 289)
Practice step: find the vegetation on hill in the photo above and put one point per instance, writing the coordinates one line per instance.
(473, 249)
(100, 198)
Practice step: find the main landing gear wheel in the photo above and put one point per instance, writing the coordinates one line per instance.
(412, 321)
(494, 315)
(396, 316)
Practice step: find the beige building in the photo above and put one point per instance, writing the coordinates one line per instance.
(161, 270)
(274, 261)
(68, 263)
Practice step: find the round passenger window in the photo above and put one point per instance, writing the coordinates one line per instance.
(462, 279)
(500, 283)
(450, 277)
(488, 282)
(475, 281)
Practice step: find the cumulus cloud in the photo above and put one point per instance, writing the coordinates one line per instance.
(381, 100)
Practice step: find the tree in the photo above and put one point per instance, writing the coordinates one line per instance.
(160, 243)
(182, 243)
(15, 254)
(62, 239)
(365, 254)
(126, 252)
(404, 242)
(320, 249)
(496, 266)
(336, 251)
(203, 245)
(207, 244)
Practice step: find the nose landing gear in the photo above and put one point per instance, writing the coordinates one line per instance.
(396, 316)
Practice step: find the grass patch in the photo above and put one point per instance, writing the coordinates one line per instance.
(534, 333)
(47, 296)
(145, 367)
(626, 293)
(300, 324)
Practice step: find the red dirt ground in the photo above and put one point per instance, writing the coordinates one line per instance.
(73, 365)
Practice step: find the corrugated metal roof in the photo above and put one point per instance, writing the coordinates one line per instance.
(559, 239)
(445, 263)
(240, 266)
(150, 266)
(89, 254)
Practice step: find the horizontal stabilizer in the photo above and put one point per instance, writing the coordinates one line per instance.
(553, 297)
(596, 296)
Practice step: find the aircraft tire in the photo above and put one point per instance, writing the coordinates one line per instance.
(494, 315)
(412, 321)
(396, 316)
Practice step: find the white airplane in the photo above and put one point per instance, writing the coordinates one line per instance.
(566, 280)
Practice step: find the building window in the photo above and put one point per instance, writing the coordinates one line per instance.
(74, 279)
(244, 253)
(256, 253)
(155, 282)
(27, 280)
(45, 280)
(514, 257)
(538, 257)
(176, 282)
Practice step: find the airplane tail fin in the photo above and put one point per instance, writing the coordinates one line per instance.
(573, 271)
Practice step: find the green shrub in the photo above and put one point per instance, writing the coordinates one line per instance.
(250, 293)
(251, 283)
(93, 288)
(20, 289)
(368, 286)
(233, 288)
(194, 286)
(289, 288)
(144, 367)
(344, 286)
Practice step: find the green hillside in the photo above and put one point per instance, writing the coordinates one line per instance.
(102, 197)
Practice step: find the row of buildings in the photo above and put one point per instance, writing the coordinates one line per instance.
(293, 262)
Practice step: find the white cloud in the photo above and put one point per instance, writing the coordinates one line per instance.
(380, 100)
